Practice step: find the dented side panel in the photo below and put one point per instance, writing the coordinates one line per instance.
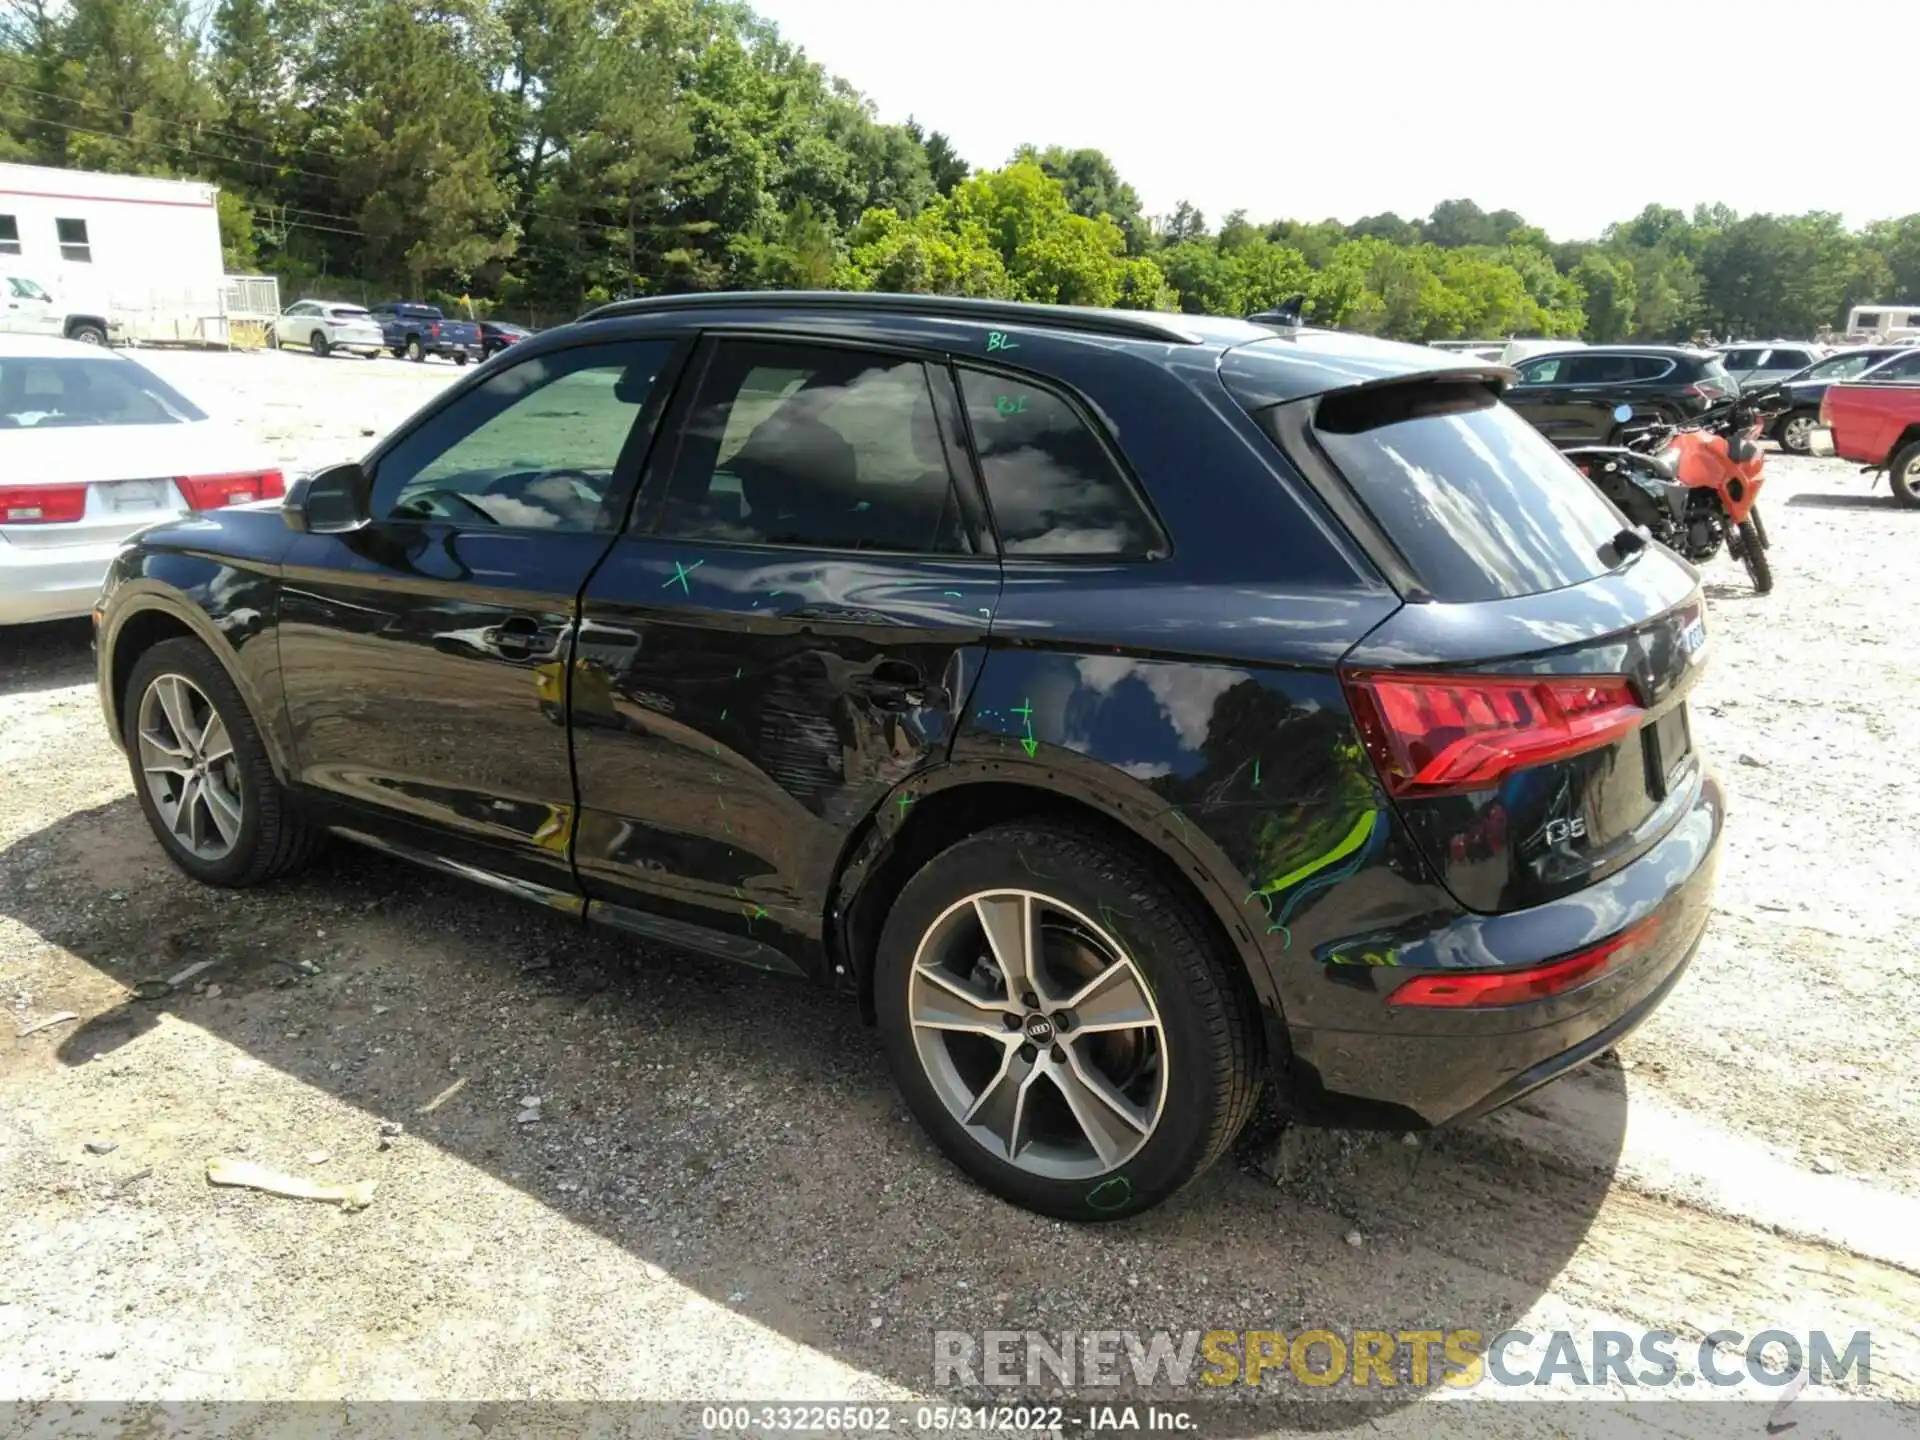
(1251, 779)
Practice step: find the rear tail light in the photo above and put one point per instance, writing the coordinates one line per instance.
(433, 329)
(211, 492)
(1705, 391)
(1480, 989)
(42, 504)
(1438, 734)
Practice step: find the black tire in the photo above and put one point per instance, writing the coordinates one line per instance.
(1753, 554)
(373, 354)
(416, 352)
(274, 838)
(88, 334)
(1792, 431)
(460, 358)
(273, 338)
(1211, 1039)
(1759, 527)
(317, 342)
(1904, 476)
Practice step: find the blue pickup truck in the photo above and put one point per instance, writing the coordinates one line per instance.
(417, 331)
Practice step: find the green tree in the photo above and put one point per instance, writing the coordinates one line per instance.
(1093, 188)
(1611, 295)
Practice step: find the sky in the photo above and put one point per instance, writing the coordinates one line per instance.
(1575, 113)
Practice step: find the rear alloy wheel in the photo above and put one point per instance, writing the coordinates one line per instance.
(1061, 1021)
(319, 344)
(415, 350)
(1796, 432)
(201, 771)
(88, 335)
(1904, 475)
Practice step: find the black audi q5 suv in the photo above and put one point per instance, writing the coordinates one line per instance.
(1126, 711)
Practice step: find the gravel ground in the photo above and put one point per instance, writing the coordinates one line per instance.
(620, 1173)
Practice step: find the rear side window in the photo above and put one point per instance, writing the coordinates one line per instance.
(1651, 367)
(1480, 504)
(814, 446)
(1054, 487)
(1541, 372)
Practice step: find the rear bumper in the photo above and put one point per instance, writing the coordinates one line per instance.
(1423, 1067)
(59, 582)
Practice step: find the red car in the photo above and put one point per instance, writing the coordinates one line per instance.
(497, 335)
(1875, 421)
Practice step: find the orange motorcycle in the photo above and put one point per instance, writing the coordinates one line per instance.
(1693, 486)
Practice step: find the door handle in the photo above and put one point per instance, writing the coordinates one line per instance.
(835, 614)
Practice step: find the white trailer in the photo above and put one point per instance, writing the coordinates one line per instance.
(144, 252)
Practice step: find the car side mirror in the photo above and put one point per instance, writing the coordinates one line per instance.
(329, 502)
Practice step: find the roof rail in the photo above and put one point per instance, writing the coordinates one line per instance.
(1122, 324)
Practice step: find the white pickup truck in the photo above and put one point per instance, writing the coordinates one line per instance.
(28, 307)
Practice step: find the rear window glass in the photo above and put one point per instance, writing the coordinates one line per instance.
(1716, 373)
(39, 392)
(1479, 503)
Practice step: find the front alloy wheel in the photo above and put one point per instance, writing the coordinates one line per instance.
(189, 767)
(201, 771)
(1038, 1034)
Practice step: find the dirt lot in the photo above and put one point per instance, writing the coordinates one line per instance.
(717, 1193)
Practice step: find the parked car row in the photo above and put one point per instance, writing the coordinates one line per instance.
(401, 328)
(1574, 396)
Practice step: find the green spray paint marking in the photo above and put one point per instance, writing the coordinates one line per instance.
(723, 715)
(1025, 711)
(757, 913)
(1111, 1194)
(741, 671)
(1356, 837)
(680, 573)
(1027, 865)
(1011, 404)
(1316, 874)
(997, 341)
(954, 593)
(1256, 774)
(904, 802)
(1107, 912)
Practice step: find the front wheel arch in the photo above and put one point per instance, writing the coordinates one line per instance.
(152, 617)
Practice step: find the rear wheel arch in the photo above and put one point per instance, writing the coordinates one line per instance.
(80, 326)
(955, 801)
